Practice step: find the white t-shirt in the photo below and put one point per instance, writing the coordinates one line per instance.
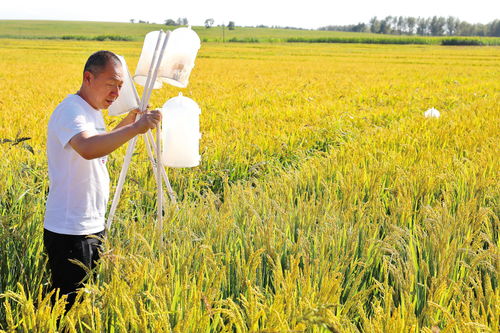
(79, 188)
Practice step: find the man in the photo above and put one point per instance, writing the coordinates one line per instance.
(77, 149)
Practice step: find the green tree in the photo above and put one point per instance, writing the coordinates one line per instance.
(437, 26)
(422, 26)
(374, 25)
(385, 25)
(451, 25)
(182, 21)
(231, 25)
(401, 25)
(170, 22)
(465, 29)
(209, 22)
(494, 28)
(411, 23)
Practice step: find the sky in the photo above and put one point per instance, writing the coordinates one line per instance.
(310, 14)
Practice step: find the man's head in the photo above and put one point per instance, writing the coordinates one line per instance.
(102, 79)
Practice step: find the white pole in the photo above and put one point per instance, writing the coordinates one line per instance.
(121, 180)
(150, 80)
(131, 145)
(157, 64)
(158, 179)
(158, 143)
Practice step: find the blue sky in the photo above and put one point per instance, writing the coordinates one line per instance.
(306, 14)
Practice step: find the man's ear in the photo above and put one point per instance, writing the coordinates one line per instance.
(87, 77)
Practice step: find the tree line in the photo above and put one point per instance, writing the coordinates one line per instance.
(430, 26)
(184, 21)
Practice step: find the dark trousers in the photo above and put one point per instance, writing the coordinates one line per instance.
(68, 276)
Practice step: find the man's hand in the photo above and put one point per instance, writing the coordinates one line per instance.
(129, 118)
(148, 120)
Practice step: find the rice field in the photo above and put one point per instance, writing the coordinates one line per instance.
(325, 200)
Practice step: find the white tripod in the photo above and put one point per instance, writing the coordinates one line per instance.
(148, 138)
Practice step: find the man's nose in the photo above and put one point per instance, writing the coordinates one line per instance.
(115, 91)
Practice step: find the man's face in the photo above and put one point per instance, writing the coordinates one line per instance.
(105, 87)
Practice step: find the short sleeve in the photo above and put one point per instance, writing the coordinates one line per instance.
(72, 120)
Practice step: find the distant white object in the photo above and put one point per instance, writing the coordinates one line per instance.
(432, 113)
(128, 99)
(181, 133)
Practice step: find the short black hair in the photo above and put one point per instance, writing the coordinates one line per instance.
(97, 62)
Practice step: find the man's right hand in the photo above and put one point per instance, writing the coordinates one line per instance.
(148, 120)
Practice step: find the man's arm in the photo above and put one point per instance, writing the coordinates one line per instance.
(93, 146)
(129, 119)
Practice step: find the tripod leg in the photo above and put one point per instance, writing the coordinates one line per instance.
(159, 180)
(121, 180)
